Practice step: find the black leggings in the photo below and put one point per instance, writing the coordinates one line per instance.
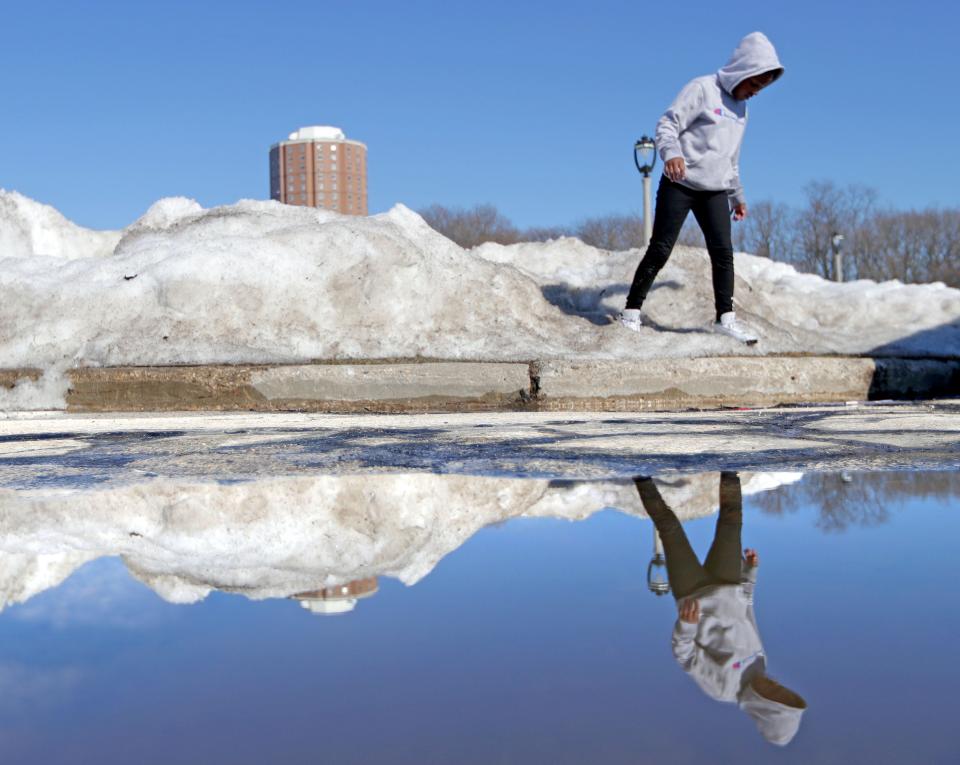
(723, 564)
(712, 211)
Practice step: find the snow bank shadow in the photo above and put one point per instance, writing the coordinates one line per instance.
(585, 302)
(591, 303)
(917, 366)
(927, 343)
(648, 322)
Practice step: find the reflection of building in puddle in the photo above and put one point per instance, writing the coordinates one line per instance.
(338, 599)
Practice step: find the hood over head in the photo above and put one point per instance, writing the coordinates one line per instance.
(754, 55)
(778, 723)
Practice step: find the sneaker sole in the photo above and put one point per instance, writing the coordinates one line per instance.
(751, 341)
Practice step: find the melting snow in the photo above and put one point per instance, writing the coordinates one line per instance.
(258, 282)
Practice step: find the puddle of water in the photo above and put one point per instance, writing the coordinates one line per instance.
(484, 620)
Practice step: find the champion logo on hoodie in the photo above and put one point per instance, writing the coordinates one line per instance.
(724, 113)
(748, 660)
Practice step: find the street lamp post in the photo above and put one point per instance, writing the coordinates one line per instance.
(645, 157)
(657, 581)
(837, 244)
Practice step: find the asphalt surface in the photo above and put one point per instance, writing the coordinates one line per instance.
(71, 451)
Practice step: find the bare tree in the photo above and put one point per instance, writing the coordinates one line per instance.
(830, 210)
(910, 246)
(690, 234)
(473, 226)
(768, 231)
(858, 499)
(544, 233)
(914, 247)
(611, 232)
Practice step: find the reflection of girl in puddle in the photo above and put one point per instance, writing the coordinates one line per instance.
(716, 640)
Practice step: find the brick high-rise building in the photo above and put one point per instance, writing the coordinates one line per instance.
(319, 167)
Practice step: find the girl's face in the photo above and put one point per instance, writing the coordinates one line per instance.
(752, 85)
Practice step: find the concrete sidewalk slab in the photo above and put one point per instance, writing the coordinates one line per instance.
(553, 385)
(495, 383)
(660, 383)
(738, 381)
(373, 387)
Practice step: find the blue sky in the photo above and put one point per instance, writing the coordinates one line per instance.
(532, 106)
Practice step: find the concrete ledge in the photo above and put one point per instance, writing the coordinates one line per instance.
(493, 383)
(678, 383)
(406, 386)
(442, 386)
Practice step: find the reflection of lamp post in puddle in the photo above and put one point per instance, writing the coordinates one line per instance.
(657, 581)
(338, 599)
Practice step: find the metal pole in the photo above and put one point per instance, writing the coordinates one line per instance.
(646, 147)
(836, 242)
(647, 211)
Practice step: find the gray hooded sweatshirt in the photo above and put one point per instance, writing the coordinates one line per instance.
(722, 652)
(705, 123)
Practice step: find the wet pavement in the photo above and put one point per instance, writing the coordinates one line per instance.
(62, 449)
(480, 588)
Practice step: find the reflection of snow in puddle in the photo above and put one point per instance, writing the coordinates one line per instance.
(301, 537)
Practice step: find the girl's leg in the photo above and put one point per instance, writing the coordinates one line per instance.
(712, 211)
(724, 561)
(673, 204)
(684, 571)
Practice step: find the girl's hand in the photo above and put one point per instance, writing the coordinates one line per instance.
(690, 611)
(739, 212)
(675, 169)
(752, 557)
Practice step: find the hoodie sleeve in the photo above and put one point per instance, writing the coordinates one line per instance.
(735, 193)
(684, 109)
(748, 580)
(683, 643)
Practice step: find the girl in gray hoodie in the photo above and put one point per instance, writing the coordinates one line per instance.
(715, 638)
(699, 139)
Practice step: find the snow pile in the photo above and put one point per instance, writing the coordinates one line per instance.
(278, 537)
(24, 575)
(794, 312)
(260, 282)
(266, 282)
(29, 229)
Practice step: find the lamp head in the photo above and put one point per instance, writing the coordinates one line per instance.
(645, 154)
(657, 581)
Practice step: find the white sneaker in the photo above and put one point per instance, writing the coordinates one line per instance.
(630, 318)
(728, 325)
